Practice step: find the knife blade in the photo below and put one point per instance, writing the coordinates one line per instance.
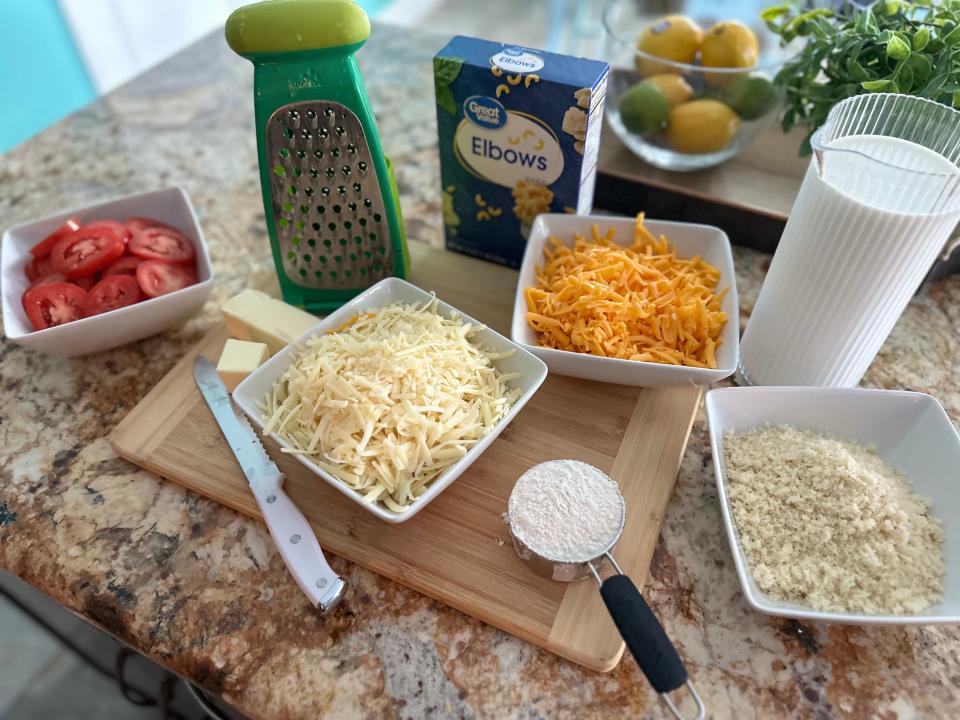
(290, 530)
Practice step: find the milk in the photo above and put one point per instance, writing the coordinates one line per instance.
(865, 228)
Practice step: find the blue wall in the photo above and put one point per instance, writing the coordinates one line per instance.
(42, 78)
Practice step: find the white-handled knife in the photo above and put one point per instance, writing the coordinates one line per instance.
(291, 532)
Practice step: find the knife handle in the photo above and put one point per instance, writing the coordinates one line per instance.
(298, 545)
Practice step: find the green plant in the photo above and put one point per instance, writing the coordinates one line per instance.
(445, 71)
(892, 47)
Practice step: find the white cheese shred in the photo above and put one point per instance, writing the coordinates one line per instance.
(390, 400)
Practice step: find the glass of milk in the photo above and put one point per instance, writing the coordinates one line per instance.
(879, 201)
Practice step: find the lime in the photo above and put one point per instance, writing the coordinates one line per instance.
(751, 96)
(644, 108)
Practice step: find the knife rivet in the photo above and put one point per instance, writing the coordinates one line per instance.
(295, 539)
(271, 498)
(322, 583)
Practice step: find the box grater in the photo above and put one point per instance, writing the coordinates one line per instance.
(329, 195)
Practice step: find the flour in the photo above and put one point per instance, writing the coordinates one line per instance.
(566, 510)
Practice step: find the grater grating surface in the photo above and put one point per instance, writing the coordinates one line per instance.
(331, 227)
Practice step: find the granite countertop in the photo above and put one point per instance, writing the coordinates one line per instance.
(201, 589)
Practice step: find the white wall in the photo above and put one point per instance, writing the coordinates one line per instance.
(118, 39)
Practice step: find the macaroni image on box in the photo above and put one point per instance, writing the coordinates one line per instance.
(519, 131)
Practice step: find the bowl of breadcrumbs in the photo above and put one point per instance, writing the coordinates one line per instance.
(841, 505)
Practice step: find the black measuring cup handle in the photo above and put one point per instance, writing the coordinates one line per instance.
(643, 634)
(647, 640)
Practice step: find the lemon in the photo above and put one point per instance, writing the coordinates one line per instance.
(751, 96)
(644, 108)
(672, 37)
(701, 126)
(728, 44)
(674, 87)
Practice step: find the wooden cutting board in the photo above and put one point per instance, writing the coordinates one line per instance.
(458, 550)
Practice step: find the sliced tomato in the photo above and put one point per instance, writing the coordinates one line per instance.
(140, 223)
(157, 277)
(89, 249)
(162, 242)
(119, 227)
(112, 292)
(85, 282)
(43, 248)
(49, 279)
(39, 268)
(126, 265)
(53, 304)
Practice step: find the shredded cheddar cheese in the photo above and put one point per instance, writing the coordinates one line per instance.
(389, 400)
(636, 302)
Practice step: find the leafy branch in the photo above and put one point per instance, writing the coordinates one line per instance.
(891, 47)
(445, 71)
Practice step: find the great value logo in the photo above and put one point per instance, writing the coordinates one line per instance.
(484, 112)
(522, 148)
(517, 60)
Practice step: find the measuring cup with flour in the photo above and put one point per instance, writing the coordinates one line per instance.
(565, 517)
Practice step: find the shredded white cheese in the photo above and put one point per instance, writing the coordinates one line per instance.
(390, 400)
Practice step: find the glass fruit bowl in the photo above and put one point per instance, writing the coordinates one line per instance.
(690, 89)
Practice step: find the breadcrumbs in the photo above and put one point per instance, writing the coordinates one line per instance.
(829, 524)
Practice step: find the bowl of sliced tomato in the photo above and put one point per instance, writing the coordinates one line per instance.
(94, 278)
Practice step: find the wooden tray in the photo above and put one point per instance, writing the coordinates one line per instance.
(458, 550)
(749, 196)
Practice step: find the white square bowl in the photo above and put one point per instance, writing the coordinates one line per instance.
(116, 327)
(689, 239)
(532, 373)
(910, 430)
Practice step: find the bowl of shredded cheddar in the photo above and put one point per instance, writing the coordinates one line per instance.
(390, 398)
(628, 301)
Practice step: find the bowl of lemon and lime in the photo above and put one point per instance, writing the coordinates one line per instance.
(686, 93)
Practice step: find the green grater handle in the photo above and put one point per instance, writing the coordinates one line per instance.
(304, 50)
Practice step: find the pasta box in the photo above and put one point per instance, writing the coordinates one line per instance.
(519, 131)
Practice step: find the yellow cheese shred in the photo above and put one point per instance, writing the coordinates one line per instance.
(635, 302)
(389, 400)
